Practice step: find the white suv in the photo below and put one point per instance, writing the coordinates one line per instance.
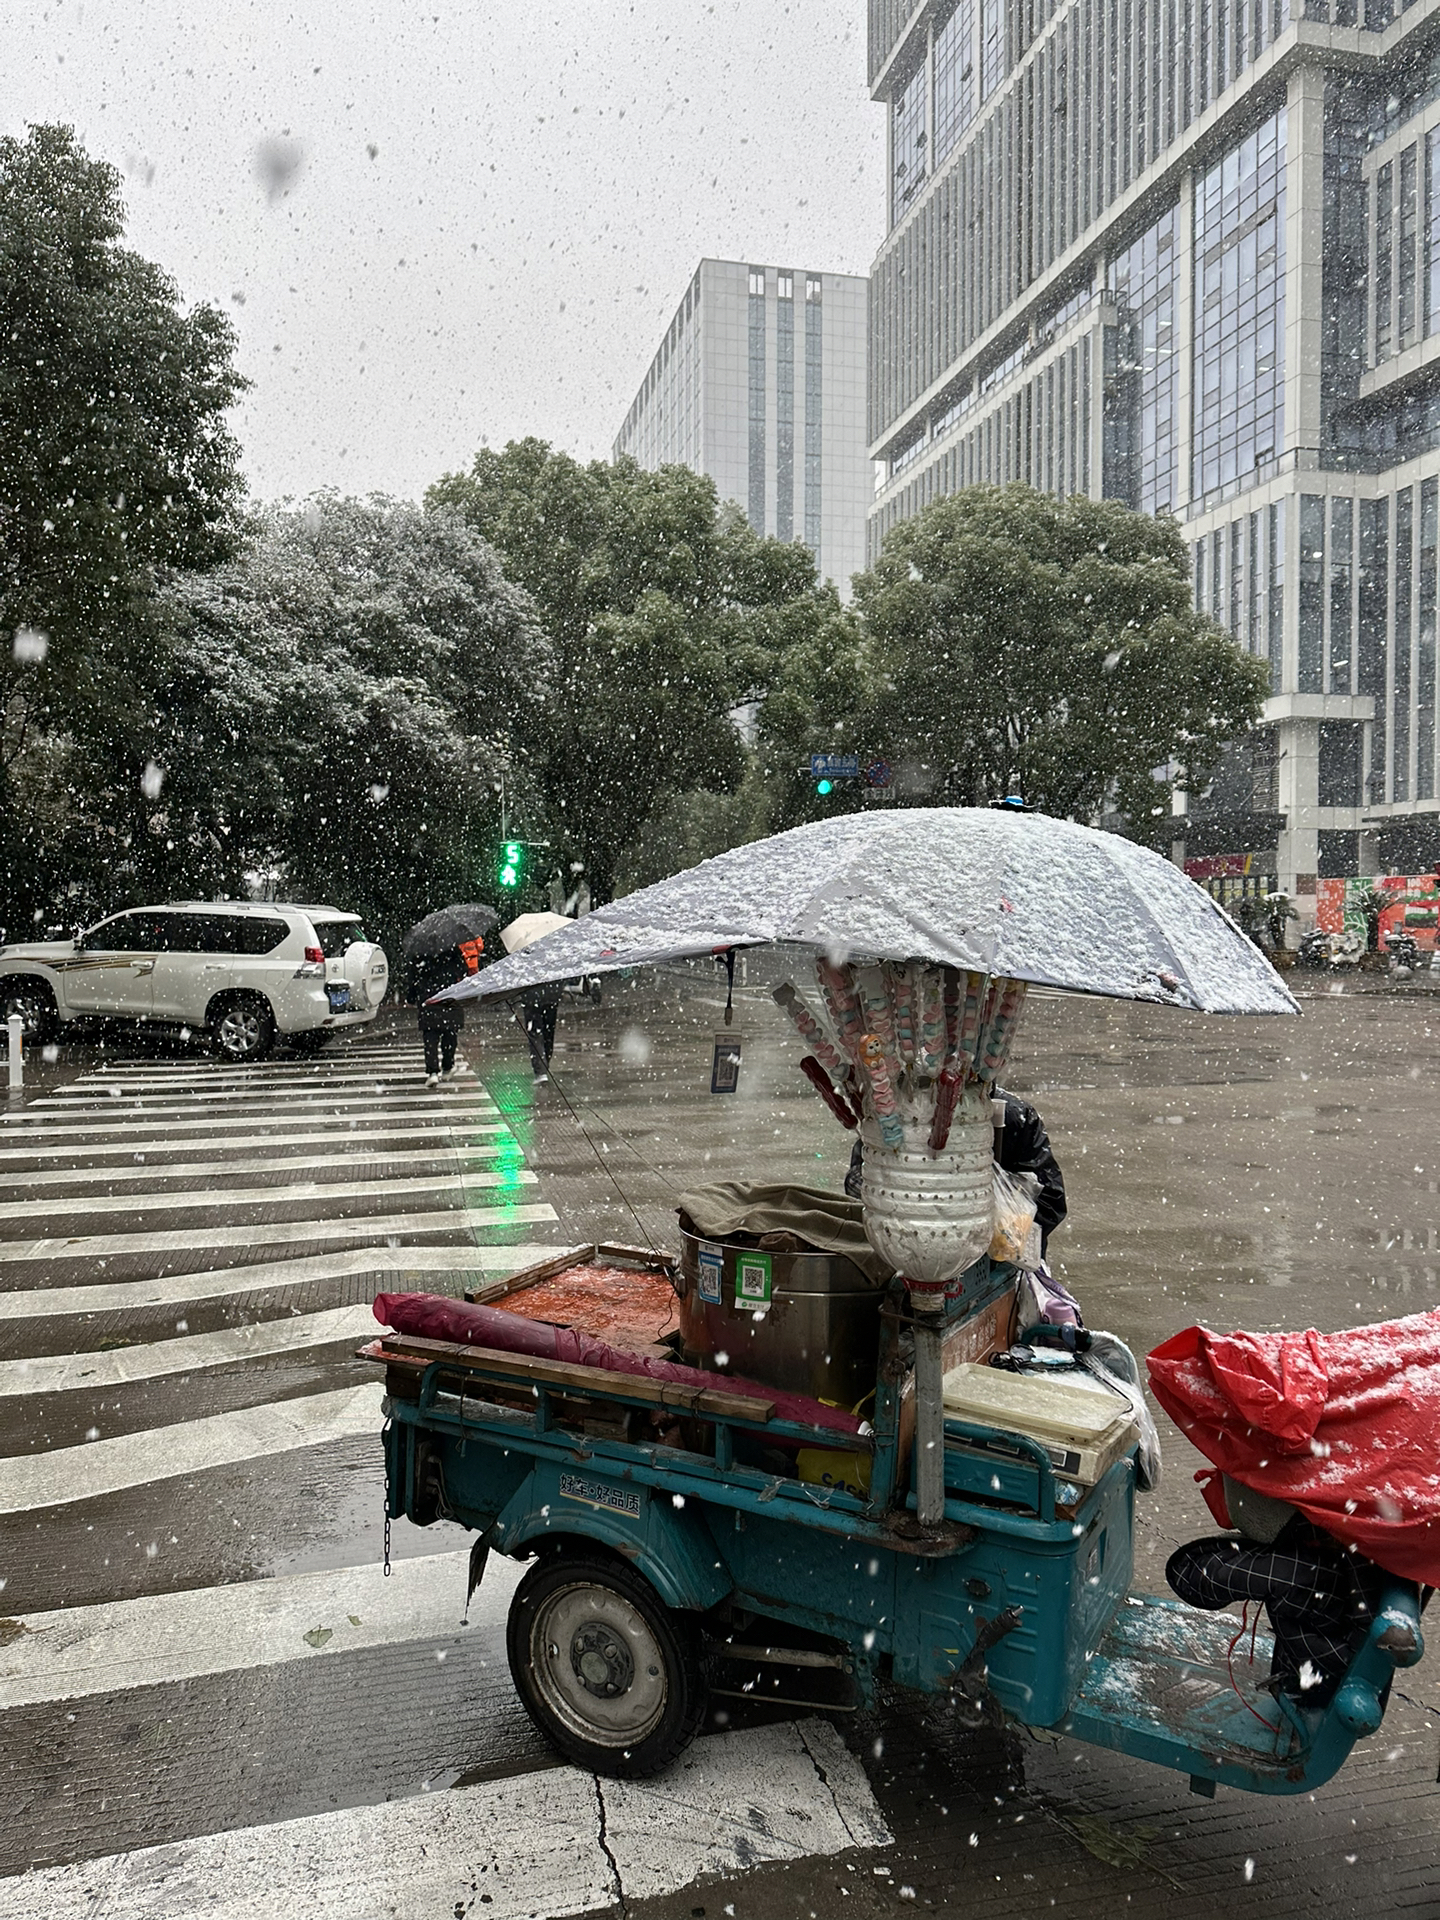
(243, 970)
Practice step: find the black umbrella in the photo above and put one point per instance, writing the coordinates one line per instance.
(448, 928)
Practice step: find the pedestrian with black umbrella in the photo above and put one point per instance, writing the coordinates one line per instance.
(442, 948)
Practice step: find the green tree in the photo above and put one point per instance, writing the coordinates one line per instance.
(344, 695)
(1024, 643)
(666, 614)
(115, 461)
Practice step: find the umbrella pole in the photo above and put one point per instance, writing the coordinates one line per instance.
(929, 1419)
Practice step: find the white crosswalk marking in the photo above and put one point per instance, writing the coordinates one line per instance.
(347, 1138)
(482, 1153)
(34, 1481)
(392, 1269)
(101, 1246)
(61, 1372)
(114, 1115)
(552, 1844)
(288, 1195)
(70, 1653)
(142, 1167)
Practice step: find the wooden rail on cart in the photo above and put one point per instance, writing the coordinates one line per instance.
(411, 1352)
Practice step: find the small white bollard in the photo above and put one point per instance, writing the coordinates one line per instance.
(15, 1028)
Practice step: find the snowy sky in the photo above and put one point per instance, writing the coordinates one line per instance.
(496, 207)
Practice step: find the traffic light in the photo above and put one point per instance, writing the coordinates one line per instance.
(512, 864)
(824, 786)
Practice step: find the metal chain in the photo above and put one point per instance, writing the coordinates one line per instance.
(385, 1506)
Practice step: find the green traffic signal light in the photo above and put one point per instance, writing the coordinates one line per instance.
(512, 860)
(824, 786)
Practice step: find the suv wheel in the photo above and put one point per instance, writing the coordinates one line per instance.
(32, 999)
(243, 1027)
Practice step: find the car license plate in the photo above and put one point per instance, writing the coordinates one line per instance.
(339, 997)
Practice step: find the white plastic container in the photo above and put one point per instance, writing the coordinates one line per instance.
(1081, 1425)
(931, 1214)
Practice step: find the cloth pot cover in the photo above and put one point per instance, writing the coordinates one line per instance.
(828, 1221)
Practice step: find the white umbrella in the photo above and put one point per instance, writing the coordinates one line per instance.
(526, 928)
(1015, 895)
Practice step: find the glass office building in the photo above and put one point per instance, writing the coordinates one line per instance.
(760, 382)
(1186, 254)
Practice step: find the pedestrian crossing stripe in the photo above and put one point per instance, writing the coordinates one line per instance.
(219, 1198)
(554, 1843)
(376, 1228)
(76, 1653)
(29, 1483)
(479, 1153)
(447, 1137)
(391, 1268)
(352, 1126)
(189, 1353)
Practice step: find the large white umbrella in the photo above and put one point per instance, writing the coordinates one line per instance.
(1019, 896)
(527, 928)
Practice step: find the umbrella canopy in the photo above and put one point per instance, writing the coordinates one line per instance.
(1005, 894)
(448, 928)
(527, 928)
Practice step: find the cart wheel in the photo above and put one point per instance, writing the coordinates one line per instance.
(607, 1672)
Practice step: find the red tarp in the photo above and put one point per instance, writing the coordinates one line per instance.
(1345, 1426)
(433, 1316)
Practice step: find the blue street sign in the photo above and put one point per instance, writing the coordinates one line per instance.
(834, 766)
(877, 774)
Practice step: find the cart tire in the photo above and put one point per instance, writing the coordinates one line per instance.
(608, 1673)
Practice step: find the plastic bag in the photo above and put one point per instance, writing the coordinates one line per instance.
(1110, 1360)
(1016, 1196)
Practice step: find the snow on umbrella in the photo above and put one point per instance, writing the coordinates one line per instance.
(448, 928)
(1014, 896)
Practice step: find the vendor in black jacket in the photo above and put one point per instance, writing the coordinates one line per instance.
(1024, 1148)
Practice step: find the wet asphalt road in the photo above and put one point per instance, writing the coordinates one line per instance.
(185, 1264)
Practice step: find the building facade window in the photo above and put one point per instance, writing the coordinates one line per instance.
(1384, 262)
(1432, 231)
(755, 493)
(1373, 642)
(1312, 591)
(1143, 394)
(992, 46)
(1404, 556)
(814, 399)
(908, 141)
(1239, 387)
(1276, 594)
(785, 407)
(1342, 583)
(1406, 251)
(1425, 645)
(955, 76)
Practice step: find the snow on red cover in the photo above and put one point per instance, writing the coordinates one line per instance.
(1345, 1426)
(433, 1316)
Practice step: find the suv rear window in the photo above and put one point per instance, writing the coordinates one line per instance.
(335, 936)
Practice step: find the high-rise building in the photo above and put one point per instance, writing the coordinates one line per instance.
(760, 382)
(1186, 254)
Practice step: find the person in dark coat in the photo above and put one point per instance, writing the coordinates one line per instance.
(538, 1008)
(1024, 1148)
(439, 1026)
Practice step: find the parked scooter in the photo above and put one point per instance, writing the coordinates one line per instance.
(1335, 952)
(1403, 949)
